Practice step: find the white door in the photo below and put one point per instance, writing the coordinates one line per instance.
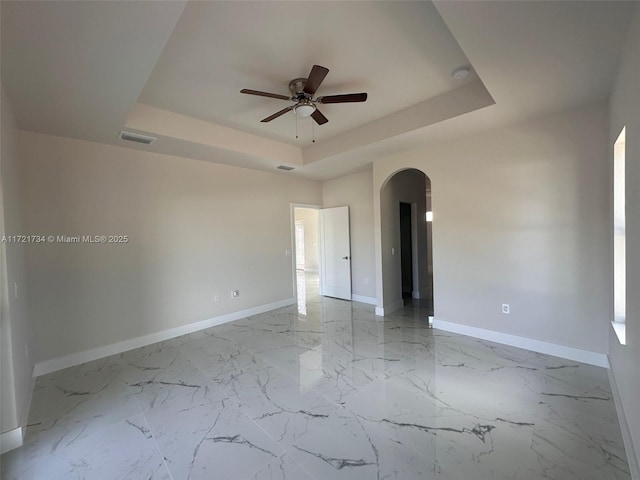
(335, 272)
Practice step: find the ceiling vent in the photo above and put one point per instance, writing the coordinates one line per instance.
(136, 137)
(285, 167)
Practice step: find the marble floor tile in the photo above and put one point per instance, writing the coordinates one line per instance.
(323, 390)
(158, 376)
(282, 468)
(65, 408)
(123, 450)
(211, 440)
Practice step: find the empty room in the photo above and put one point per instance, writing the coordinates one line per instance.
(319, 240)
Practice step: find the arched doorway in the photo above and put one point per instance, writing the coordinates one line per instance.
(406, 241)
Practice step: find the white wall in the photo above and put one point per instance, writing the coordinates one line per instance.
(625, 111)
(356, 191)
(16, 364)
(309, 218)
(520, 217)
(196, 229)
(407, 186)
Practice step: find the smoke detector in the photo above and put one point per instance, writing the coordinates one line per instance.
(461, 72)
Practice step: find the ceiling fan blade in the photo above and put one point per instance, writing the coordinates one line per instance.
(277, 114)
(264, 94)
(348, 98)
(319, 117)
(316, 76)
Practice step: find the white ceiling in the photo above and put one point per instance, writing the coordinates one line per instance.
(401, 53)
(75, 68)
(87, 69)
(540, 56)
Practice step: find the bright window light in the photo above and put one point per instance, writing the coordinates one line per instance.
(619, 240)
(429, 216)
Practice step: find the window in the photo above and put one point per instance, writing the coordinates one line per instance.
(619, 239)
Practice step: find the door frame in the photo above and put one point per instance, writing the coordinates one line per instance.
(292, 214)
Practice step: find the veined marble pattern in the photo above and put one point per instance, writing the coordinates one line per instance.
(330, 394)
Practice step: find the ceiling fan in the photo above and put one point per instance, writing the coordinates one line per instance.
(302, 91)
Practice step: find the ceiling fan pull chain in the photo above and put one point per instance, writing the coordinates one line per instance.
(313, 133)
(294, 114)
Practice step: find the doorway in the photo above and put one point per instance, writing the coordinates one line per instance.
(301, 262)
(406, 254)
(321, 263)
(406, 251)
(306, 239)
(306, 254)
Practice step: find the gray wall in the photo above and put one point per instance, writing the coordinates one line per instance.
(625, 111)
(196, 229)
(356, 191)
(16, 362)
(520, 217)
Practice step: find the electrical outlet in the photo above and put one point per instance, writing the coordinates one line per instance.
(235, 293)
(216, 298)
(505, 309)
(393, 251)
(366, 281)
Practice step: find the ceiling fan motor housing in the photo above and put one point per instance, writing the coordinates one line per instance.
(296, 87)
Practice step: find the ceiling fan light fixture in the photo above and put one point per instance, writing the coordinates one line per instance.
(305, 109)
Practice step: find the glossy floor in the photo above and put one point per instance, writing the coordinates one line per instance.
(330, 393)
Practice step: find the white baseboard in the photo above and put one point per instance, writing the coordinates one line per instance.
(14, 438)
(390, 308)
(26, 407)
(562, 351)
(363, 299)
(632, 455)
(55, 364)
(11, 440)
